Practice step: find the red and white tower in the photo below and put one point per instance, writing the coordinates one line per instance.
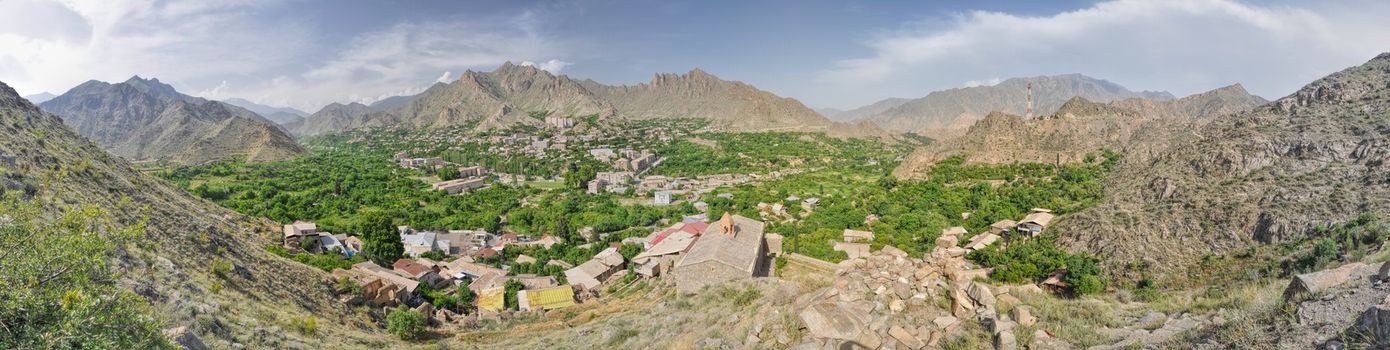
(1030, 100)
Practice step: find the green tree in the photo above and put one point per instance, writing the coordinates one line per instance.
(509, 298)
(448, 173)
(406, 323)
(381, 243)
(60, 292)
(467, 298)
(629, 251)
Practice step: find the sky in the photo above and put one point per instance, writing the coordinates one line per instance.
(839, 54)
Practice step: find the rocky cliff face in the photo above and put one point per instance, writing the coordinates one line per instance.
(251, 303)
(147, 120)
(731, 105)
(1263, 176)
(943, 114)
(1138, 128)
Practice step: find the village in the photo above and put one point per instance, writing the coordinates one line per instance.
(689, 256)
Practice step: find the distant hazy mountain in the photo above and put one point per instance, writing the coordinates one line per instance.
(40, 97)
(861, 112)
(392, 102)
(337, 117)
(951, 111)
(279, 115)
(512, 93)
(147, 120)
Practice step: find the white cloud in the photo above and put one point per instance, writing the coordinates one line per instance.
(553, 66)
(444, 78)
(404, 60)
(239, 50)
(180, 42)
(985, 82)
(215, 92)
(1183, 46)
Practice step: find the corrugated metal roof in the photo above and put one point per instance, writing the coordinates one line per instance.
(546, 298)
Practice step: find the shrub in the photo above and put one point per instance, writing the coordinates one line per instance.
(406, 323)
(509, 298)
(221, 267)
(306, 325)
(1087, 284)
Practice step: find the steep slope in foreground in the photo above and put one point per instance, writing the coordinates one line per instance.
(948, 112)
(146, 120)
(1268, 175)
(252, 301)
(1138, 128)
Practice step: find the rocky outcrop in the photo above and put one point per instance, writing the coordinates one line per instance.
(1267, 175)
(181, 236)
(887, 301)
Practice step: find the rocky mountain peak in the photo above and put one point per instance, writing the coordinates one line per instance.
(1348, 85)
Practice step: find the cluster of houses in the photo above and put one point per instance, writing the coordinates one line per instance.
(693, 253)
(626, 159)
(855, 245)
(808, 205)
(406, 161)
(307, 237)
(555, 122)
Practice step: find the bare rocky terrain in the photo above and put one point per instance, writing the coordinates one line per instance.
(1138, 128)
(146, 120)
(1269, 175)
(253, 302)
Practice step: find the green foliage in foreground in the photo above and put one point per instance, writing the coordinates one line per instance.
(406, 323)
(59, 291)
(1346, 242)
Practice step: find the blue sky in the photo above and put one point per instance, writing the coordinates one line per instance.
(841, 54)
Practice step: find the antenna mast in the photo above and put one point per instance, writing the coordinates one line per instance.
(1030, 100)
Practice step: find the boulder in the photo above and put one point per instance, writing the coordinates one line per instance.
(944, 321)
(981, 294)
(893, 251)
(1004, 301)
(961, 306)
(947, 242)
(1316, 282)
(905, 337)
(897, 306)
(835, 320)
(902, 289)
(1005, 341)
(187, 340)
(1376, 321)
(1023, 314)
(869, 340)
(1384, 272)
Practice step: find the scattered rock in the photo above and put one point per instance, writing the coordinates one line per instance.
(1023, 314)
(1315, 282)
(1005, 341)
(905, 337)
(185, 339)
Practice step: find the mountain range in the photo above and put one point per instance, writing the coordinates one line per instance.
(279, 115)
(1272, 174)
(40, 97)
(515, 94)
(146, 120)
(1138, 128)
(169, 264)
(946, 113)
